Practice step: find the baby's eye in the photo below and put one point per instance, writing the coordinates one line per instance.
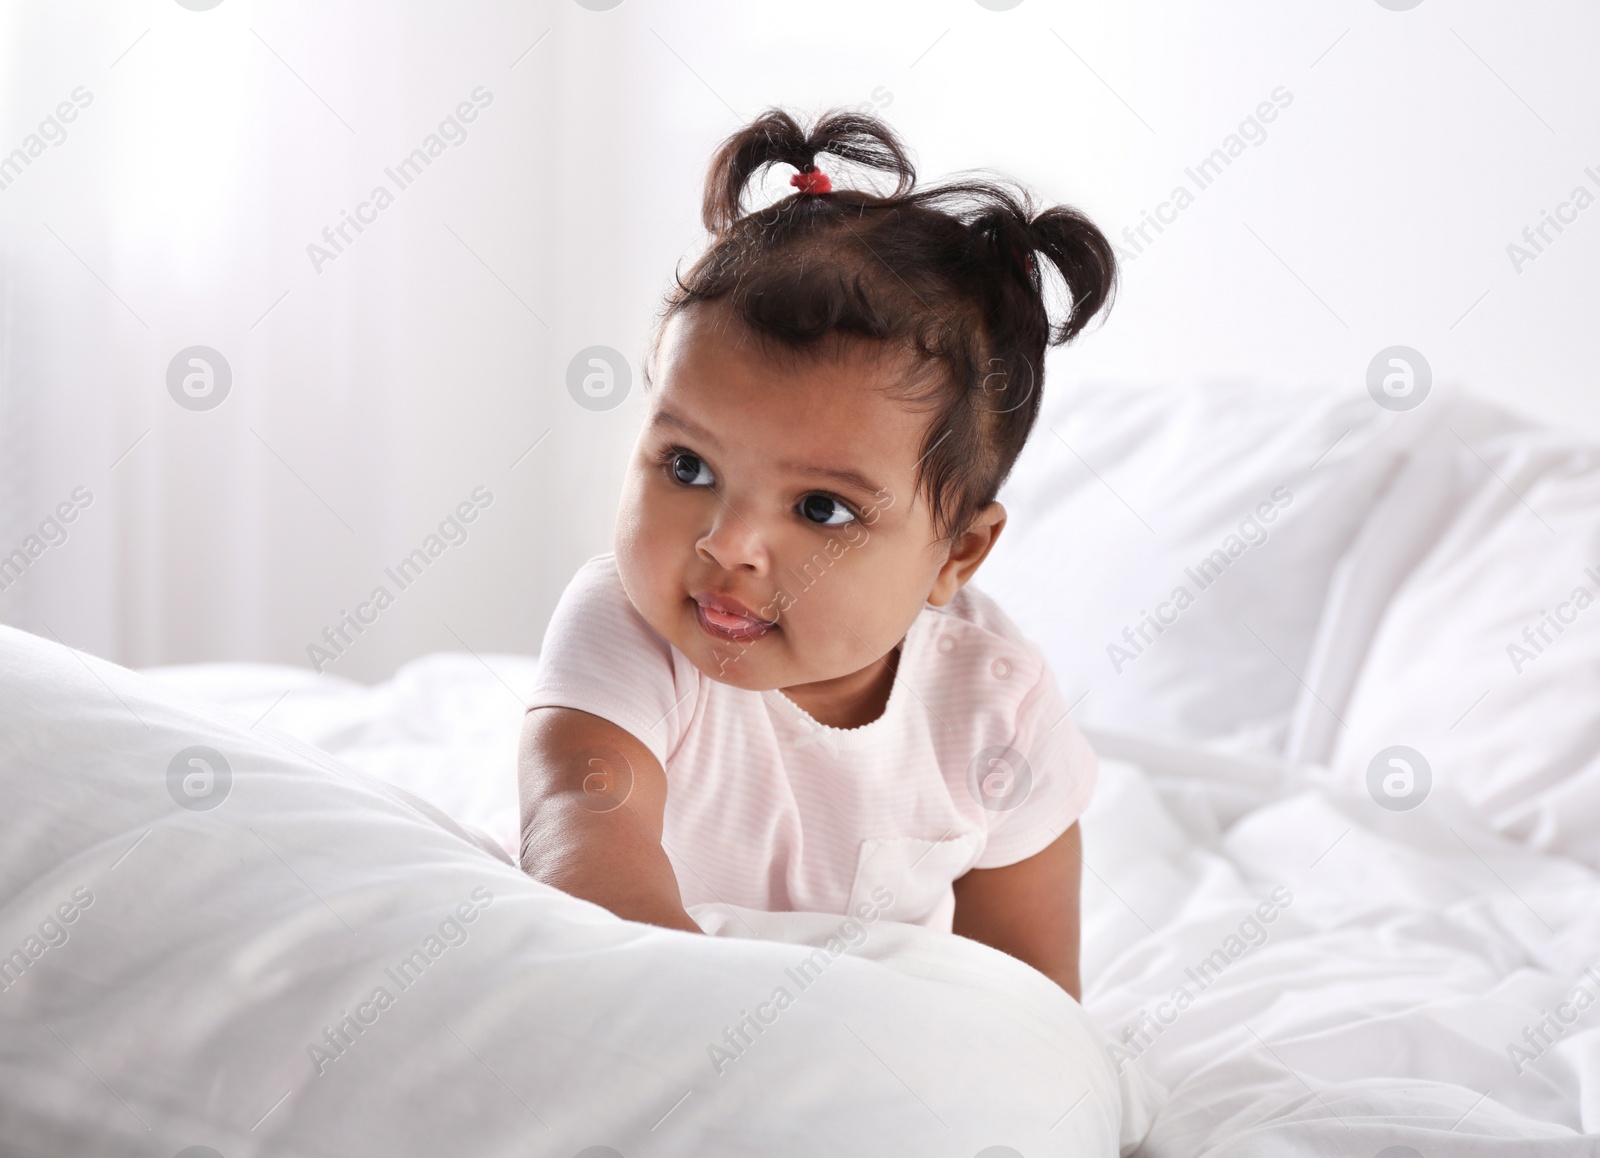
(826, 510)
(690, 470)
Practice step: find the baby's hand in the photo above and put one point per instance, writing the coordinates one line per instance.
(592, 803)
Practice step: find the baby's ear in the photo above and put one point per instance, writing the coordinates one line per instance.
(966, 551)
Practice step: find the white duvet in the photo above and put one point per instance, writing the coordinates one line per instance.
(215, 935)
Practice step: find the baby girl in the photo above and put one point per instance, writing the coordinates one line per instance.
(781, 691)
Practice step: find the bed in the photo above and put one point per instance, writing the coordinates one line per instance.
(1342, 870)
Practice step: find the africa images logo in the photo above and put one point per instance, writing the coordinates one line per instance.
(1399, 378)
(1399, 778)
(199, 778)
(199, 378)
(598, 378)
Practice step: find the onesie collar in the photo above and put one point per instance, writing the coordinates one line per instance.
(834, 740)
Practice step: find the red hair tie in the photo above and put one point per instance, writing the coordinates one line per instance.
(813, 180)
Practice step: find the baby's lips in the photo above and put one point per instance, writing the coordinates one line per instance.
(728, 620)
(731, 613)
(724, 619)
(736, 627)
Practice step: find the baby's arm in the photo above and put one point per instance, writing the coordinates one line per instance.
(591, 829)
(1029, 909)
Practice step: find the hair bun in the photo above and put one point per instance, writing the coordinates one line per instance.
(775, 136)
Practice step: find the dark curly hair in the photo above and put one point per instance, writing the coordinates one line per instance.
(946, 274)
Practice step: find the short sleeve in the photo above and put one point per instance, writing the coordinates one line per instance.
(1059, 768)
(601, 657)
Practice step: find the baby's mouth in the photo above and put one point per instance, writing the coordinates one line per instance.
(729, 620)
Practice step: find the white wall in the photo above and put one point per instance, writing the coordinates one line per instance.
(378, 392)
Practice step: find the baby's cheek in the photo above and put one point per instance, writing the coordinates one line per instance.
(646, 560)
(645, 504)
(843, 616)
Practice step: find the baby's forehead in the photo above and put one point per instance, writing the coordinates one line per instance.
(762, 412)
(717, 325)
(797, 397)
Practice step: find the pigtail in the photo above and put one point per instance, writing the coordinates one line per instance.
(1084, 258)
(1009, 234)
(776, 137)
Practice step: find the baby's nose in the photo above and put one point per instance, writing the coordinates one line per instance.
(733, 543)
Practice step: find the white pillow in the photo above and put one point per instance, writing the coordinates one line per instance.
(216, 936)
(1123, 494)
(1485, 656)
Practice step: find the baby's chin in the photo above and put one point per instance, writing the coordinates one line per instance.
(754, 666)
(742, 677)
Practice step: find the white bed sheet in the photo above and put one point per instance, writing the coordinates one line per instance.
(1377, 1009)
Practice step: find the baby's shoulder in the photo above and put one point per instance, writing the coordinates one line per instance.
(597, 584)
(595, 610)
(982, 616)
(600, 571)
(974, 627)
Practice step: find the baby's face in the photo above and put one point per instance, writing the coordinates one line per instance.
(770, 526)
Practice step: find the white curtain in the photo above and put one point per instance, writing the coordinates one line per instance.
(379, 382)
(373, 391)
